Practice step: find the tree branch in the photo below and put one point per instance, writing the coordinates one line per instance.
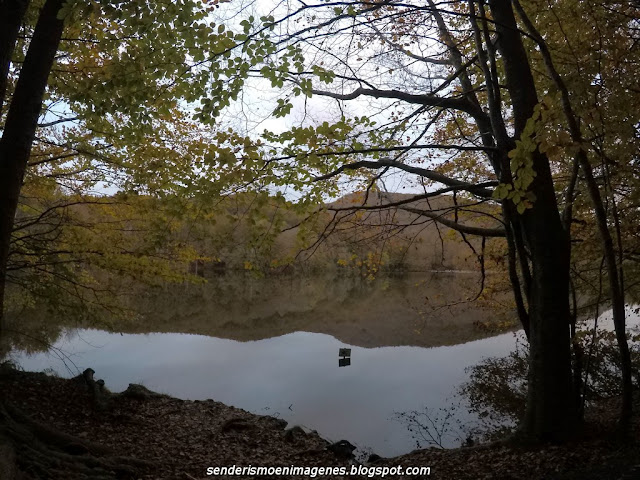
(406, 201)
(475, 189)
(56, 122)
(471, 230)
(461, 104)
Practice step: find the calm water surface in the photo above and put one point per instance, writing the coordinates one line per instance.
(295, 377)
(271, 347)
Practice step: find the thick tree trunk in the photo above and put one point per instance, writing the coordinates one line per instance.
(551, 412)
(11, 15)
(616, 280)
(21, 123)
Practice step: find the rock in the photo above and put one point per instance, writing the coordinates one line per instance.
(373, 458)
(235, 424)
(293, 432)
(280, 423)
(139, 392)
(342, 449)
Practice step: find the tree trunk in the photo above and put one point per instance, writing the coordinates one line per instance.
(11, 15)
(21, 123)
(616, 279)
(616, 292)
(551, 412)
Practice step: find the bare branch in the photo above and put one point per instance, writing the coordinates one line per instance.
(461, 104)
(406, 201)
(470, 229)
(57, 122)
(423, 172)
(400, 48)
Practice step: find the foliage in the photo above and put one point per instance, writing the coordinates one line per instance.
(460, 81)
(119, 168)
(440, 98)
(439, 428)
(601, 48)
(496, 389)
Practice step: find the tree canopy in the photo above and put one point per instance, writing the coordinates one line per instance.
(503, 103)
(525, 112)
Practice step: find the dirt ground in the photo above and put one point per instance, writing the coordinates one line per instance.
(180, 439)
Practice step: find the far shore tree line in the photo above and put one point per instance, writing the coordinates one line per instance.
(515, 123)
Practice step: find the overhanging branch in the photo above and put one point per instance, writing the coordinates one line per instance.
(475, 189)
(470, 229)
(406, 201)
(461, 104)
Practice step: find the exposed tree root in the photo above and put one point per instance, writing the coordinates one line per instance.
(32, 450)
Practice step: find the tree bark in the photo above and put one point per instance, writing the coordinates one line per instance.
(11, 15)
(616, 278)
(615, 291)
(21, 123)
(551, 412)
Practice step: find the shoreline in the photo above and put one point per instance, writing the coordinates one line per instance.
(182, 438)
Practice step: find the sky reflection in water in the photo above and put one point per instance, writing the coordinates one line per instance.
(295, 377)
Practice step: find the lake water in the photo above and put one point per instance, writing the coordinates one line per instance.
(272, 348)
(295, 377)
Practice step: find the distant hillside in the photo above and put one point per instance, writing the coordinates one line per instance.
(262, 233)
(397, 238)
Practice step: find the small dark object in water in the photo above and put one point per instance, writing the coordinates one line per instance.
(344, 357)
(344, 362)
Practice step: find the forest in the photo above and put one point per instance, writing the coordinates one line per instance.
(158, 146)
